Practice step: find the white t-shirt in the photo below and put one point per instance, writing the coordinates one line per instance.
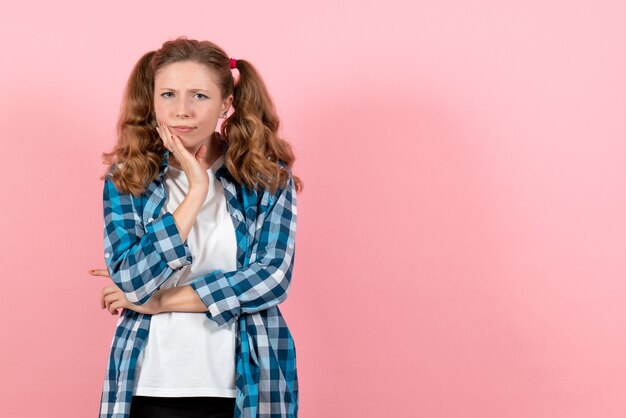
(186, 354)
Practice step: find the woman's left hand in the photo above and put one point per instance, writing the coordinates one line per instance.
(112, 298)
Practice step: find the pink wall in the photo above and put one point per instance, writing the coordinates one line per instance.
(471, 154)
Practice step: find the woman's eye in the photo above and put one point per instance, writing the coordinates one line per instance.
(199, 95)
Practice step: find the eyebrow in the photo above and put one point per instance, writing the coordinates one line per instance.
(167, 88)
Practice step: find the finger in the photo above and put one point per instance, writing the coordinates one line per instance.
(109, 295)
(109, 290)
(165, 141)
(178, 147)
(168, 137)
(176, 143)
(114, 306)
(107, 301)
(99, 272)
(164, 136)
(119, 306)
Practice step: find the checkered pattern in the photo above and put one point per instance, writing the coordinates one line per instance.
(143, 248)
(139, 260)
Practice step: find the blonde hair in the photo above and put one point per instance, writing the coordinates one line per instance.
(254, 153)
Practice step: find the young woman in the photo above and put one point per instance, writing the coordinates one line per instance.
(199, 240)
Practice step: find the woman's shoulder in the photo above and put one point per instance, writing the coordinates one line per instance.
(112, 190)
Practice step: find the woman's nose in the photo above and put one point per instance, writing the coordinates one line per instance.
(183, 109)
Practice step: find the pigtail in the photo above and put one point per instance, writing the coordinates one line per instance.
(262, 158)
(138, 152)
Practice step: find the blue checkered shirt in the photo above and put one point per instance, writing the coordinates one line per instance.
(142, 248)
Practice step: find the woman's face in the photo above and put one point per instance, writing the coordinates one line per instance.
(186, 95)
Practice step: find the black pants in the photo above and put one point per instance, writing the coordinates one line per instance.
(182, 407)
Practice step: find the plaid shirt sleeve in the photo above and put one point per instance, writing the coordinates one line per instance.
(264, 282)
(139, 257)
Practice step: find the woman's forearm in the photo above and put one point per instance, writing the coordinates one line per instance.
(186, 213)
(179, 299)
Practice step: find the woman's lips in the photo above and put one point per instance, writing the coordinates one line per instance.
(183, 130)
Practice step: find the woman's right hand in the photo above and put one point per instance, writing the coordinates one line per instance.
(192, 165)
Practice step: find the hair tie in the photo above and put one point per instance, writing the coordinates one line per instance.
(233, 63)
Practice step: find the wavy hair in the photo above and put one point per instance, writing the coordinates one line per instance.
(254, 150)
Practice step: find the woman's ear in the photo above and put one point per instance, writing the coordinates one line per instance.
(227, 103)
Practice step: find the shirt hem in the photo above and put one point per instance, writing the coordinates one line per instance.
(179, 392)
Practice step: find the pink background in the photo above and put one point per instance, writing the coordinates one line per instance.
(461, 233)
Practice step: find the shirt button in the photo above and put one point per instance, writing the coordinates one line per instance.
(106, 255)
